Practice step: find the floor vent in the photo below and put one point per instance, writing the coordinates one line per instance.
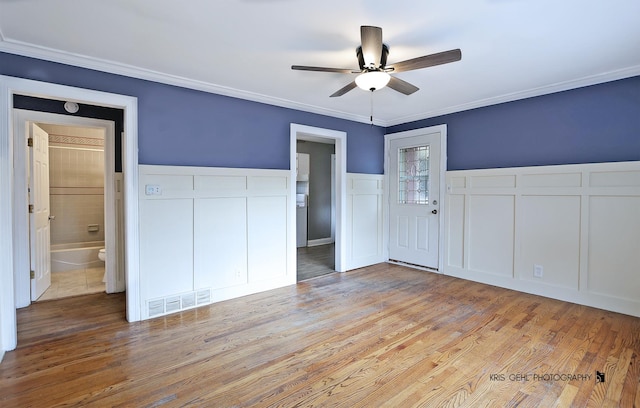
(204, 296)
(156, 307)
(176, 303)
(173, 304)
(189, 300)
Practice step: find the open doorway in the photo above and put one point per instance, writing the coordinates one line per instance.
(78, 220)
(81, 196)
(323, 249)
(315, 208)
(13, 286)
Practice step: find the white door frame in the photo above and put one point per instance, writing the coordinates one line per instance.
(10, 86)
(20, 241)
(442, 130)
(313, 134)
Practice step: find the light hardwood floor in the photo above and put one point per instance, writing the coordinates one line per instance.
(384, 335)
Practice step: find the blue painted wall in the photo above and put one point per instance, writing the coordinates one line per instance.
(599, 123)
(179, 126)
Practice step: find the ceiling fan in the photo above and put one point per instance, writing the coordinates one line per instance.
(374, 71)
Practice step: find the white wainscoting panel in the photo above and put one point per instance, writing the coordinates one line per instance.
(267, 218)
(550, 237)
(220, 236)
(567, 232)
(455, 238)
(166, 246)
(211, 234)
(364, 220)
(491, 225)
(614, 247)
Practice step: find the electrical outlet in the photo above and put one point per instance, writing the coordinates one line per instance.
(152, 189)
(538, 271)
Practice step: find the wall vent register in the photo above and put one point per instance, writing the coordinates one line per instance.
(175, 303)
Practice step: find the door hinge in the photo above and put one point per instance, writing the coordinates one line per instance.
(30, 208)
(30, 142)
(33, 274)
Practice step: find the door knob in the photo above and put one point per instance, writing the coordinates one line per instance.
(434, 211)
(52, 217)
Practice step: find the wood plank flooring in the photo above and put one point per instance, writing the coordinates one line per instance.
(380, 336)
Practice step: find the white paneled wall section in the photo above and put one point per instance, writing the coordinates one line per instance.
(210, 234)
(568, 232)
(364, 220)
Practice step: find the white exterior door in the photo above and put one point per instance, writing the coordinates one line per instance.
(40, 230)
(414, 199)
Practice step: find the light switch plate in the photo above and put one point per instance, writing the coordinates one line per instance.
(152, 189)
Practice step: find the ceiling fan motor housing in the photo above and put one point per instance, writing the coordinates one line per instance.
(383, 59)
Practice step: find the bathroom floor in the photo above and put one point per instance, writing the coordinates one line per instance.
(73, 283)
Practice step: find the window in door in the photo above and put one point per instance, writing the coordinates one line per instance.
(413, 175)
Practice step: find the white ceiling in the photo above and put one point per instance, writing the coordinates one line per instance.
(511, 49)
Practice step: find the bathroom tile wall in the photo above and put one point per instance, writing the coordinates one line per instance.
(74, 213)
(76, 181)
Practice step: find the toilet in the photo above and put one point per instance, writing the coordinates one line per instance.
(101, 256)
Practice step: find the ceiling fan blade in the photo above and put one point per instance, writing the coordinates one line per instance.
(439, 58)
(401, 86)
(371, 38)
(322, 69)
(344, 89)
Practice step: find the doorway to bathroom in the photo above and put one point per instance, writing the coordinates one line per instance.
(75, 204)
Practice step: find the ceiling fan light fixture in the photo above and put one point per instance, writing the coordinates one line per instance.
(372, 81)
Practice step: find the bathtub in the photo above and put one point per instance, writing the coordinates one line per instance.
(68, 257)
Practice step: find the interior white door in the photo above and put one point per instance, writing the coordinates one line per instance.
(39, 217)
(414, 194)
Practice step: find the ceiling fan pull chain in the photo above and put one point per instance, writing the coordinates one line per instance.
(371, 111)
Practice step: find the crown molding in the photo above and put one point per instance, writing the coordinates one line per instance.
(543, 90)
(53, 55)
(49, 54)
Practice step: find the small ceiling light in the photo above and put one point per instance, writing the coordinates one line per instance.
(71, 107)
(373, 80)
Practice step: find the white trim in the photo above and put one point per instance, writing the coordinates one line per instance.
(522, 206)
(191, 200)
(49, 54)
(8, 323)
(10, 86)
(310, 133)
(442, 130)
(365, 220)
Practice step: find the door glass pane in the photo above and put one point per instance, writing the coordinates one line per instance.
(413, 175)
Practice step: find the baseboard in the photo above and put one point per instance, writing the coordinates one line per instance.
(321, 241)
